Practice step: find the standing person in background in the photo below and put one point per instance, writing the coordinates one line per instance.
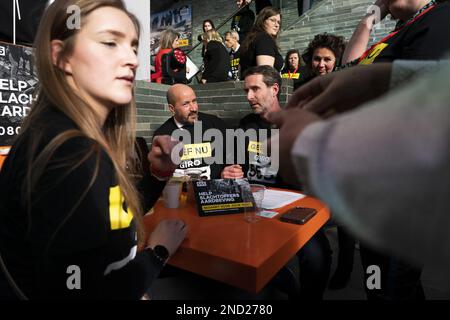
(169, 41)
(260, 47)
(261, 4)
(293, 70)
(232, 43)
(216, 60)
(243, 21)
(68, 199)
(206, 26)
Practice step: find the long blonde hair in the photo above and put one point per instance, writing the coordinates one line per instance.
(167, 38)
(212, 35)
(116, 137)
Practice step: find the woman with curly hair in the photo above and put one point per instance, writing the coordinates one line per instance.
(324, 53)
(216, 59)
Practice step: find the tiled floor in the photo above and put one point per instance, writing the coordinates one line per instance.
(188, 286)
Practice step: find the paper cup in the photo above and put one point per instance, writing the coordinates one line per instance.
(171, 195)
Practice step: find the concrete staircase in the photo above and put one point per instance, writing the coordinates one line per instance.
(339, 17)
(152, 109)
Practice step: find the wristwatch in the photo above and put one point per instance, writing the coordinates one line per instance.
(161, 253)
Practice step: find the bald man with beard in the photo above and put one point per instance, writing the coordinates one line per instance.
(182, 102)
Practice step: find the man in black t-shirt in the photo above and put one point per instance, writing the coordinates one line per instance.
(262, 85)
(201, 151)
(232, 43)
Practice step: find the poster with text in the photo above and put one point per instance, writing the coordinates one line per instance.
(223, 196)
(177, 17)
(17, 89)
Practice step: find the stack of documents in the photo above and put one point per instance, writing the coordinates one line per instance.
(276, 198)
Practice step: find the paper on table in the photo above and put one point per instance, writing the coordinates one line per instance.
(267, 214)
(276, 199)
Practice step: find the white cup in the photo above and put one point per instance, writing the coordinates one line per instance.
(171, 195)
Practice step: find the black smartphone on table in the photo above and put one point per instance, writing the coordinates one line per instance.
(298, 215)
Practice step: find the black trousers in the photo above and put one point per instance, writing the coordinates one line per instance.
(400, 280)
(314, 266)
(314, 263)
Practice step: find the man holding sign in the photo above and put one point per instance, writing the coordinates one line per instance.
(189, 125)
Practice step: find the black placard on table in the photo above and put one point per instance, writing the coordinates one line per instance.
(223, 196)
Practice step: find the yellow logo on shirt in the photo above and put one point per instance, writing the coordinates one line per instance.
(291, 76)
(235, 62)
(119, 218)
(197, 150)
(374, 53)
(255, 147)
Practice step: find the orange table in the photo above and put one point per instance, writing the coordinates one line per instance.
(228, 249)
(2, 159)
(3, 153)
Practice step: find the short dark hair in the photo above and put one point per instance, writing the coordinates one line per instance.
(325, 40)
(270, 74)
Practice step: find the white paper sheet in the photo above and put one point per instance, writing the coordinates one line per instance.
(276, 199)
(267, 214)
(193, 69)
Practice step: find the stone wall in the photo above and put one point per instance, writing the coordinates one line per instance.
(226, 100)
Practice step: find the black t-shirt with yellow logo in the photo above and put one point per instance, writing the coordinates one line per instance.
(427, 38)
(200, 150)
(299, 76)
(235, 65)
(259, 166)
(77, 226)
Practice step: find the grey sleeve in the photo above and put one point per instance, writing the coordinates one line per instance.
(404, 71)
(384, 169)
